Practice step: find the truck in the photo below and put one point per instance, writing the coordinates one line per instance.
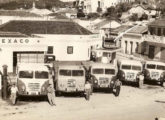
(129, 71)
(103, 76)
(154, 71)
(33, 79)
(70, 77)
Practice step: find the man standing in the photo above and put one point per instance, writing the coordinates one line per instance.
(51, 94)
(14, 91)
(87, 90)
(141, 80)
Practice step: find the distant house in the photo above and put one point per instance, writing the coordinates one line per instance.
(131, 42)
(141, 9)
(91, 6)
(155, 41)
(68, 12)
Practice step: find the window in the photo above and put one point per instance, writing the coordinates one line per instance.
(126, 47)
(26, 74)
(77, 72)
(110, 71)
(138, 68)
(160, 67)
(151, 66)
(137, 47)
(41, 75)
(131, 43)
(98, 71)
(50, 50)
(70, 50)
(159, 32)
(126, 67)
(152, 30)
(65, 72)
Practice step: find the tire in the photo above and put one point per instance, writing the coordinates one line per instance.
(58, 94)
(117, 91)
(162, 84)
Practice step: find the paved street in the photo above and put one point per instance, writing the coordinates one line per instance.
(132, 104)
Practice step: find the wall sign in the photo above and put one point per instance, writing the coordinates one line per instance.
(13, 40)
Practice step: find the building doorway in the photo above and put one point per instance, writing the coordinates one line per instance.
(162, 54)
(151, 54)
(27, 57)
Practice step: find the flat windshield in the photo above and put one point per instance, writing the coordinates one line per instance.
(138, 68)
(160, 67)
(65, 72)
(98, 71)
(77, 72)
(25, 74)
(41, 74)
(110, 71)
(126, 67)
(151, 66)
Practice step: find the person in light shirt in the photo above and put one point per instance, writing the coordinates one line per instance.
(14, 91)
(87, 90)
(141, 80)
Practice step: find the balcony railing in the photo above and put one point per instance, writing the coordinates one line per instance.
(154, 38)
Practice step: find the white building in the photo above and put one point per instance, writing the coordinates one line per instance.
(66, 40)
(91, 6)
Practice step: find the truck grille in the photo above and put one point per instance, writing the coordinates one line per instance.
(71, 83)
(130, 76)
(103, 80)
(154, 75)
(34, 86)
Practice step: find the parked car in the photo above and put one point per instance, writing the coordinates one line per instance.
(129, 71)
(104, 76)
(155, 71)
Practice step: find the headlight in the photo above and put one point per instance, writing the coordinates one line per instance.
(23, 88)
(123, 75)
(161, 75)
(112, 82)
(95, 81)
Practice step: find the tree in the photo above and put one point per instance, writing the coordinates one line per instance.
(144, 17)
(134, 17)
(93, 15)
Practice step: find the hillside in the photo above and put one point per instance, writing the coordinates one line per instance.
(26, 4)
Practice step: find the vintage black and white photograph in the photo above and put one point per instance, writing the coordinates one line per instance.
(82, 59)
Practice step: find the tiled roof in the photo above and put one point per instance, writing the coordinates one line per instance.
(58, 16)
(17, 13)
(11, 34)
(139, 29)
(44, 27)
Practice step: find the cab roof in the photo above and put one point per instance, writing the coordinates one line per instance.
(69, 64)
(33, 66)
(102, 65)
(155, 62)
(130, 62)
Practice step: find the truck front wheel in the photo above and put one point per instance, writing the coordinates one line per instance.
(117, 92)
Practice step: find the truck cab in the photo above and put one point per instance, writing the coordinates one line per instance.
(129, 71)
(70, 77)
(155, 71)
(33, 79)
(104, 76)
